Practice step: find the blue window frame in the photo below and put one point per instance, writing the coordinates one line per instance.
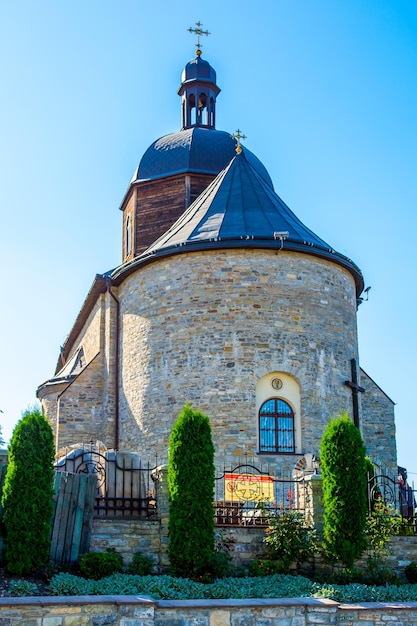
(276, 427)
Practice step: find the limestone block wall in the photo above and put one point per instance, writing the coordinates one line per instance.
(80, 414)
(127, 536)
(110, 368)
(49, 403)
(84, 408)
(378, 426)
(91, 335)
(141, 611)
(205, 327)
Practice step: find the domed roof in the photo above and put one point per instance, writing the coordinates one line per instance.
(239, 209)
(197, 150)
(198, 69)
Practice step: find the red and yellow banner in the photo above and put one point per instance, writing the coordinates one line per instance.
(248, 487)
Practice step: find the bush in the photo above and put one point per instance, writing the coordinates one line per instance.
(290, 538)
(141, 565)
(191, 488)
(264, 567)
(98, 565)
(343, 465)
(411, 572)
(27, 495)
(23, 588)
(381, 524)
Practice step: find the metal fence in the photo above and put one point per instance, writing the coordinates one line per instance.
(246, 495)
(124, 485)
(394, 492)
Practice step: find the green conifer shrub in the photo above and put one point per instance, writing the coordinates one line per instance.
(27, 495)
(191, 488)
(98, 565)
(141, 565)
(343, 465)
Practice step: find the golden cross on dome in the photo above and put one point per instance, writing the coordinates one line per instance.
(238, 136)
(198, 31)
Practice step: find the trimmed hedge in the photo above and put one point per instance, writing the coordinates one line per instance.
(27, 495)
(191, 488)
(343, 467)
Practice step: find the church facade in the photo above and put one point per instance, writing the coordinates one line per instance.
(224, 299)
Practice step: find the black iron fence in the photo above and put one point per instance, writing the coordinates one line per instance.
(246, 495)
(394, 492)
(124, 485)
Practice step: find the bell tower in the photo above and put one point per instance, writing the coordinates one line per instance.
(198, 89)
(178, 167)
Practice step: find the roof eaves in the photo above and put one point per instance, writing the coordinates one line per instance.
(328, 254)
(98, 287)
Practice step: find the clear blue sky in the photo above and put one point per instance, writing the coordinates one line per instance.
(325, 92)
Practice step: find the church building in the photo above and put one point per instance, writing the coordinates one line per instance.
(224, 299)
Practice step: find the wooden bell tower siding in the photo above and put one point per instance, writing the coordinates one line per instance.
(154, 206)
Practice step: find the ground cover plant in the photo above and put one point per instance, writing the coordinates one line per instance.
(275, 586)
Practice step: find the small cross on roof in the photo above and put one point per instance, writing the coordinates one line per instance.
(238, 136)
(198, 31)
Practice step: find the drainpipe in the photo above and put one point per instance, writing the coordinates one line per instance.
(116, 374)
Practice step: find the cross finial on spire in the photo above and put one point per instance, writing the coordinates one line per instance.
(238, 136)
(198, 31)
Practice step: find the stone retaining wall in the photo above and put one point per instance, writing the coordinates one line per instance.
(245, 543)
(137, 611)
(129, 536)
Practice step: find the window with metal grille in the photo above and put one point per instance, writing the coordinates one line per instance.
(276, 427)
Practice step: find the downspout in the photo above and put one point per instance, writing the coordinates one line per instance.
(116, 359)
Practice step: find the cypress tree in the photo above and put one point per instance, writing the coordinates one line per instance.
(343, 465)
(191, 488)
(27, 495)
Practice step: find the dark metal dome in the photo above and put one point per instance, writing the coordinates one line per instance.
(197, 150)
(198, 69)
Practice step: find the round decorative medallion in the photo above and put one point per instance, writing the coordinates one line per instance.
(276, 383)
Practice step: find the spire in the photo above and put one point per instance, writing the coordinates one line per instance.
(198, 89)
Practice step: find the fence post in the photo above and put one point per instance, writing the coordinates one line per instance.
(160, 478)
(313, 499)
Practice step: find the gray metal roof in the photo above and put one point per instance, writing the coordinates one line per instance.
(198, 150)
(239, 209)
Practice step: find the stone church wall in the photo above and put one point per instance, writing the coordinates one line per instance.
(80, 414)
(91, 335)
(206, 327)
(378, 426)
(84, 409)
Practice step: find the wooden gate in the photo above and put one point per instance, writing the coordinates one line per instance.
(73, 516)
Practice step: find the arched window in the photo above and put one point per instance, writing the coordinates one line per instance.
(276, 427)
(128, 236)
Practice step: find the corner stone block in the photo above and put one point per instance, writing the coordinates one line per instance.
(243, 619)
(52, 621)
(76, 620)
(136, 622)
(220, 618)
